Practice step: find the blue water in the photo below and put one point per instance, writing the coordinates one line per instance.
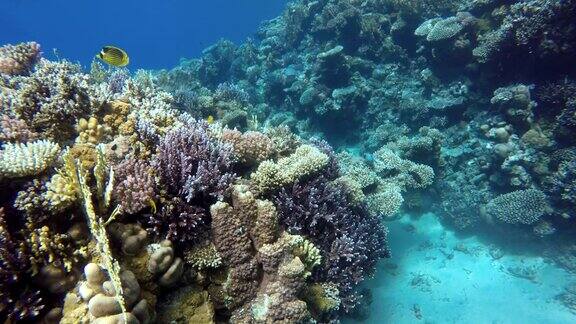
(155, 33)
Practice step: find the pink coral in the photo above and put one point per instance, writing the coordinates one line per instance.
(19, 59)
(15, 130)
(135, 186)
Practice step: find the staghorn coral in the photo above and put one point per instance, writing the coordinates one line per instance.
(135, 185)
(518, 207)
(20, 58)
(193, 165)
(21, 160)
(306, 161)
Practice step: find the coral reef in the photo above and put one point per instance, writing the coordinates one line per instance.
(209, 195)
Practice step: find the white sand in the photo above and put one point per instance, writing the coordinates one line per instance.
(470, 287)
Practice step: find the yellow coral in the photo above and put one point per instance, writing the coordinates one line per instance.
(323, 297)
(305, 161)
(90, 131)
(307, 252)
(61, 192)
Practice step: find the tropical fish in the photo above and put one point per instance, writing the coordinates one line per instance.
(210, 120)
(114, 56)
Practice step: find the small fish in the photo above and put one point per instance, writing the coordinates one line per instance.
(114, 56)
(210, 120)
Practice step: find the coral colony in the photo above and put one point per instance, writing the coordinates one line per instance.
(207, 193)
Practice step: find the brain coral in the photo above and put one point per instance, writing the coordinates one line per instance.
(518, 207)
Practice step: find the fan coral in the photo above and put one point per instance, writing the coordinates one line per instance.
(192, 164)
(518, 207)
(134, 187)
(21, 160)
(20, 58)
(306, 161)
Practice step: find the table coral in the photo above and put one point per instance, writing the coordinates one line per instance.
(21, 160)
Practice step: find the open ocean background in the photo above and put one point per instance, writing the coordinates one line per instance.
(156, 34)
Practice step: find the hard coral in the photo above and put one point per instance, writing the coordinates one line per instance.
(192, 164)
(306, 161)
(134, 187)
(20, 58)
(21, 160)
(350, 240)
(518, 207)
(178, 221)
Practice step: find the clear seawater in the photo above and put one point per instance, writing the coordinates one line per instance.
(157, 34)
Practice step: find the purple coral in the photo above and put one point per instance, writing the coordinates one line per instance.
(135, 186)
(350, 239)
(17, 301)
(194, 165)
(178, 221)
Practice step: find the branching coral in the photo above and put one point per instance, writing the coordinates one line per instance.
(52, 96)
(15, 130)
(178, 221)
(135, 185)
(21, 160)
(20, 58)
(250, 147)
(16, 303)
(351, 241)
(193, 165)
(518, 207)
(307, 160)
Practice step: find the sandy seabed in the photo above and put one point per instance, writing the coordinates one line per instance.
(434, 276)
